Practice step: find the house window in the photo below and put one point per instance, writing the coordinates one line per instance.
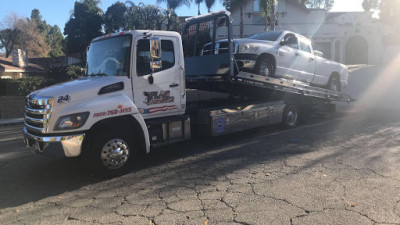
(256, 5)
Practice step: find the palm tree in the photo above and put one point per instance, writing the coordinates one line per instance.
(198, 5)
(267, 10)
(173, 4)
(240, 4)
(209, 4)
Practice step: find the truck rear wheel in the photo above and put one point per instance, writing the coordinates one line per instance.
(334, 84)
(111, 152)
(290, 116)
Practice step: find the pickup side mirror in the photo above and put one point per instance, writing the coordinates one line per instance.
(318, 53)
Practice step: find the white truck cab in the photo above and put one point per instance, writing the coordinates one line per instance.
(120, 83)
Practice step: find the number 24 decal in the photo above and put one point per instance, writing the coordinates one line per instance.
(63, 99)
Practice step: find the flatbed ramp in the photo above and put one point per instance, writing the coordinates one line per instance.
(291, 86)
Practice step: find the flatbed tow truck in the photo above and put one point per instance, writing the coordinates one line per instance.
(135, 98)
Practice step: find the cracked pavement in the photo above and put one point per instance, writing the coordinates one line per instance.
(341, 169)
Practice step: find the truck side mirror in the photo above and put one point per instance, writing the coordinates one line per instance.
(318, 53)
(155, 54)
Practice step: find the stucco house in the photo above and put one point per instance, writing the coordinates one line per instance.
(346, 37)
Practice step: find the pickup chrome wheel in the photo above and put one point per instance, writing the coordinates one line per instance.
(264, 67)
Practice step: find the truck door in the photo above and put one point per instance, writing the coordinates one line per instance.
(307, 61)
(288, 53)
(163, 95)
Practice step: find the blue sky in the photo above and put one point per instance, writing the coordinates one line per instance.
(59, 11)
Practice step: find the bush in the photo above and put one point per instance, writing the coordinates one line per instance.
(3, 87)
(65, 73)
(30, 84)
(74, 72)
(24, 86)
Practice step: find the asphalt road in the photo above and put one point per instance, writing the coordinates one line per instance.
(342, 169)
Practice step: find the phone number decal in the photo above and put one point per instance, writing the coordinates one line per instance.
(113, 112)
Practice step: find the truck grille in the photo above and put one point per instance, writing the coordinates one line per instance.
(37, 113)
(220, 47)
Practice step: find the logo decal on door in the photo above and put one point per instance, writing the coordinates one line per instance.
(155, 97)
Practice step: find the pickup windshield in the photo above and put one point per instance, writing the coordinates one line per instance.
(267, 36)
(109, 57)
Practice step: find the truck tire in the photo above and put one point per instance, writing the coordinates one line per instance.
(111, 152)
(334, 84)
(265, 67)
(290, 116)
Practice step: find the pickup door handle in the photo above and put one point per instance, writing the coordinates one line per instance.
(173, 85)
(296, 54)
(311, 59)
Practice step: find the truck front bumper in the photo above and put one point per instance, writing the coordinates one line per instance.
(58, 146)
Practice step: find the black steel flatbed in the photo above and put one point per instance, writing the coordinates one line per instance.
(291, 86)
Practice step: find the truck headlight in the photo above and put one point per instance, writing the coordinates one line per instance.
(246, 48)
(72, 121)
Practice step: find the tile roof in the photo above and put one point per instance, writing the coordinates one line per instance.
(7, 66)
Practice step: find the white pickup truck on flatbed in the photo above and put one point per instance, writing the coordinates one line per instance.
(134, 98)
(285, 54)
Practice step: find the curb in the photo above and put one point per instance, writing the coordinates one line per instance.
(11, 122)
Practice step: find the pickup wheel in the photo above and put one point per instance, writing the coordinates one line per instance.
(290, 116)
(111, 152)
(334, 84)
(265, 67)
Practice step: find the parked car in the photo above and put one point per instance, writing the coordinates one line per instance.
(284, 54)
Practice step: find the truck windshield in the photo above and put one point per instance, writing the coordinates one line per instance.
(109, 57)
(267, 36)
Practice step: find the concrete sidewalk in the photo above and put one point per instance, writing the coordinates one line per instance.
(13, 121)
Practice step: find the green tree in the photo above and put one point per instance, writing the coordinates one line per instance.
(370, 4)
(114, 18)
(209, 4)
(172, 20)
(131, 16)
(173, 4)
(84, 24)
(9, 33)
(150, 17)
(267, 10)
(390, 13)
(31, 39)
(53, 36)
(36, 17)
(8, 38)
(240, 4)
(56, 41)
(23, 33)
(317, 4)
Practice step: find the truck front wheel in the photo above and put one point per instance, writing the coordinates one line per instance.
(111, 152)
(265, 67)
